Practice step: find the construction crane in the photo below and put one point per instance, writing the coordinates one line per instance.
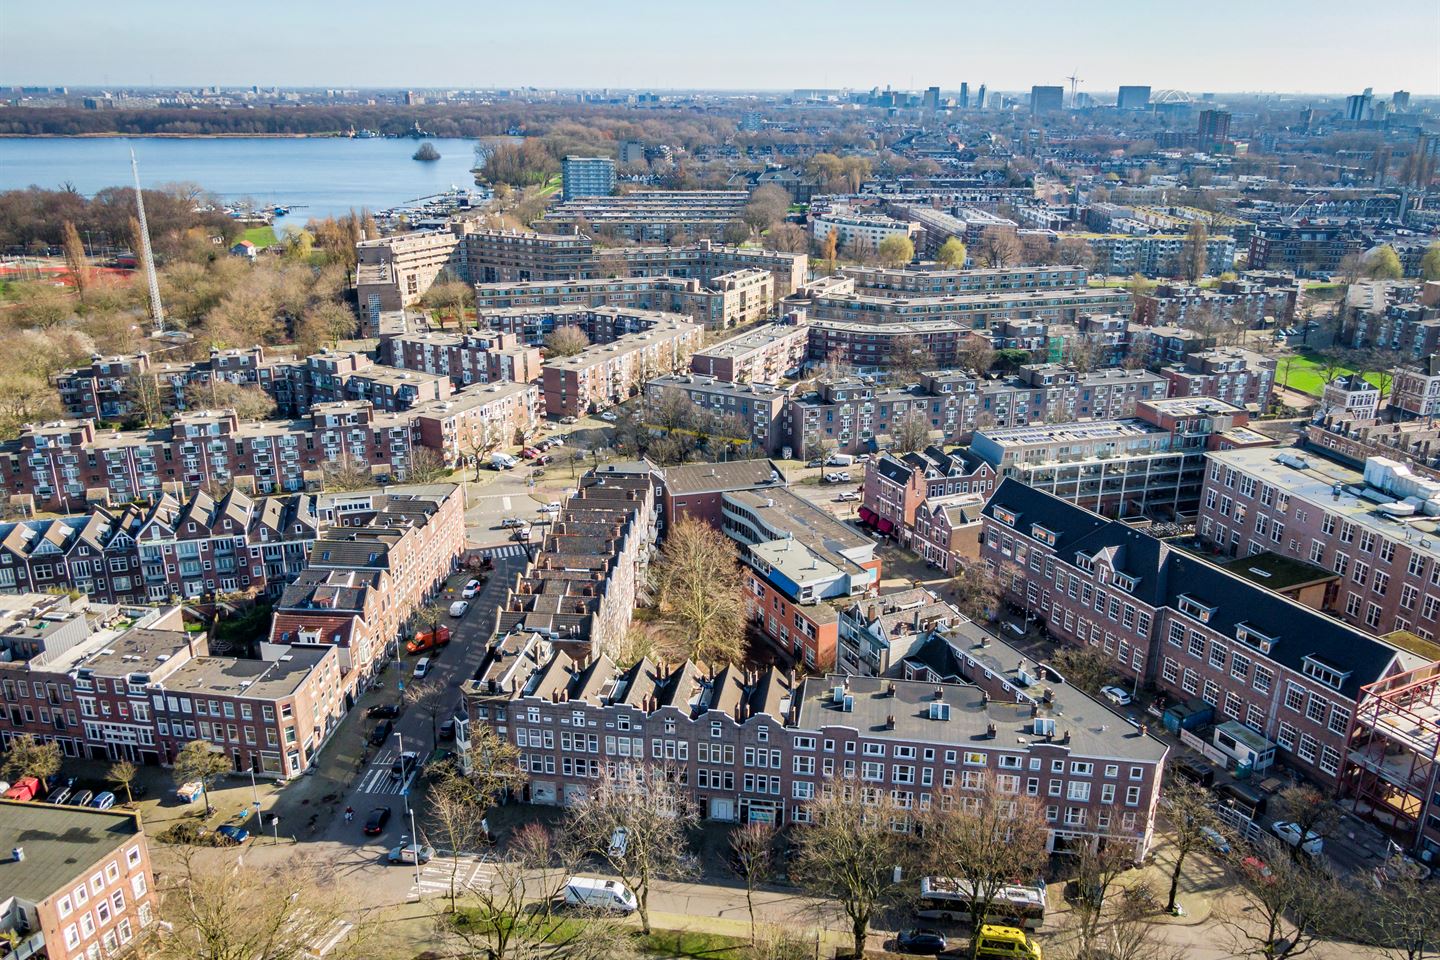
(157, 312)
(1074, 81)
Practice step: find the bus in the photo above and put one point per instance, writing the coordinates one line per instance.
(947, 898)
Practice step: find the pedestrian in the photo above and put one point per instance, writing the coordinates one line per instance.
(349, 813)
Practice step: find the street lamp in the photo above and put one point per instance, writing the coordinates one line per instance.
(414, 840)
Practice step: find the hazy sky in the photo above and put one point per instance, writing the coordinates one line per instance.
(1214, 45)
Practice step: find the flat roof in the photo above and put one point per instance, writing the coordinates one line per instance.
(710, 477)
(1077, 432)
(753, 340)
(262, 679)
(62, 843)
(1277, 572)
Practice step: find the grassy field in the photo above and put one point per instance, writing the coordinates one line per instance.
(1305, 373)
(260, 236)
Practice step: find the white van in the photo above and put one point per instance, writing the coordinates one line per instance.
(422, 667)
(839, 460)
(598, 894)
(502, 461)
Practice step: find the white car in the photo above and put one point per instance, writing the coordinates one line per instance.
(848, 496)
(838, 477)
(552, 507)
(1116, 695)
(1290, 833)
(509, 522)
(471, 588)
(608, 417)
(458, 608)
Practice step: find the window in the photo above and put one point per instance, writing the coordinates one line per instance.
(1240, 667)
(1329, 759)
(1255, 718)
(1308, 747)
(1232, 705)
(1217, 655)
(1177, 635)
(1078, 790)
(1316, 709)
(1264, 676)
(1339, 719)
(1170, 670)
(1191, 681)
(1212, 693)
(1132, 796)
(1286, 736)
(1294, 697)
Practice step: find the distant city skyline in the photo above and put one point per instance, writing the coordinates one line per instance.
(1281, 46)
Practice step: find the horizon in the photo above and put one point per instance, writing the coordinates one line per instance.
(1278, 48)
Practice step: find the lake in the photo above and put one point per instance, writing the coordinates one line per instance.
(315, 177)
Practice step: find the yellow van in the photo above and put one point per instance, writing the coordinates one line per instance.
(1011, 943)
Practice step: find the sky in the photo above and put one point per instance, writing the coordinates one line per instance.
(1320, 46)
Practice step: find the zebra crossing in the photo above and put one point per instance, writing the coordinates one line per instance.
(509, 550)
(466, 871)
(377, 779)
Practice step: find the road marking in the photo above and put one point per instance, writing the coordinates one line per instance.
(435, 876)
(505, 503)
(500, 553)
(319, 948)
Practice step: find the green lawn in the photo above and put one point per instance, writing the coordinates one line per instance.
(1304, 373)
(262, 237)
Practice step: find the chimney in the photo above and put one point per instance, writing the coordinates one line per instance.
(1066, 738)
(890, 690)
(890, 722)
(939, 692)
(1144, 729)
(990, 731)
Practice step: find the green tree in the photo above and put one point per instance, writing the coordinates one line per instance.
(199, 762)
(1430, 262)
(1383, 263)
(28, 757)
(896, 251)
(123, 774)
(951, 253)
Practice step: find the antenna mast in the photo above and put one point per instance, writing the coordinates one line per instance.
(157, 312)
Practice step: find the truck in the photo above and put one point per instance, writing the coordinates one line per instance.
(428, 640)
(26, 788)
(596, 893)
(839, 460)
(502, 461)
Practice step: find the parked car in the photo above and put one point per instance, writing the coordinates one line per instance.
(1257, 869)
(556, 442)
(817, 462)
(848, 496)
(569, 420)
(103, 801)
(384, 711)
(401, 766)
(471, 588)
(81, 799)
(1290, 833)
(411, 853)
(422, 667)
(25, 788)
(232, 834)
(459, 608)
(59, 796)
(552, 507)
(840, 476)
(375, 823)
(381, 733)
(1117, 695)
(509, 522)
(1216, 840)
(921, 941)
(544, 459)
(447, 729)
(609, 416)
(619, 843)
(428, 640)
(190, 791)
(529, 453)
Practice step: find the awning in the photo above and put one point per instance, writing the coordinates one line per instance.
(885, 525)
(867, 515)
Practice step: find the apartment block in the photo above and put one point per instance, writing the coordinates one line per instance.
(1235, 303)
(1157, 346)
(1376, 529)
(332, 376)
(927, 501)
(586, 177)
(111, 388)
(1350, 396)
(519, 256)
(936, 282)
(1150, 254)
(854, 230)
(391, 273)
(651, 216)
(1309, 249)
(796, 558)
(66, 464)
(970, 311)
(1290, 674)
(755, 411)
(382, 555)
(578, 590)
(765, 354)
(605, 374)
(77, 881)
(696, 490)
(1415, 391)
(466, 358)
(1415, 443)
(1241, 377)
(726, 300)
(958, 708)
(1399, 315)
(472, 423)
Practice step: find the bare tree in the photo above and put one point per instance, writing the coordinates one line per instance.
(977, 353)
(649, 805)
(1193, 259)
(200, 761)
(754, 859)
(1097, 869)
(907, 358)
(700, 588)
(1192, 823)
(986, 835)
(910, 432)
(147, 402)
(998, 247)
(768, 204)
(1284, 910)
(977, 591)
(455, 821)
(1403, 915)
(565, 342)
(345, 473)
(1310, 810)
(123, 774)
(425, 466)
(250, 913)
(1130, 931)
(787, 238)
(849, 850)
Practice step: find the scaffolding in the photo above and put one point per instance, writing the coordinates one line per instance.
(1392, 758)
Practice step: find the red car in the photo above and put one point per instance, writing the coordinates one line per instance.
(529, 453)
(25, 788)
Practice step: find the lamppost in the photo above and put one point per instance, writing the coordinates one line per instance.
(414, 839)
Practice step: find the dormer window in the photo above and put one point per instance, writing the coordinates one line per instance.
(1317, 669)
(1007, 517)
(1084, 563)
(1248, 634)
(1125, 582)
(1194, 608)
(1046, 537)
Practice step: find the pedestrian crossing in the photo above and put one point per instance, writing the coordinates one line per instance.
(500, 553)
(326, 942)
(466, 871)
(377, 780)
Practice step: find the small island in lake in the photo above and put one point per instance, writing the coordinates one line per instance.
(427, 152)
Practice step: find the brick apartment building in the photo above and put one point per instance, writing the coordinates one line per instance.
(131, 683)
(763, 355)
(1292, 675)
(756, 410)
(382, 555)
(1238, 304)
(952, 713)
(1376, 529)
(1241, 377)
(696, 490)
(468, 425)
(473, 357)
(651, 216)
(394, 272)
(927, 501)
(84, 885)
(724, 301)
(65, 464)
(886, 282)
(335, 375)
(1416, 389)
(605, 374)
(110, 388)
(578, 590)
(797, 557)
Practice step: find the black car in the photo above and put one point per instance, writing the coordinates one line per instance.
(921, 941)
(381, 733)
(377, 820)
(447, 729)
(384, 711)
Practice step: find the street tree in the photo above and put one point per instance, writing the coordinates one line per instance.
(848, 852)
(426, 466)
(896, 251)
(1097, 870)
(976, 353)
(1403, 913)
(123, 774)
(977, 591)
(1312, 810)
(1383, 263)
(28, 757)
(77, 264)
(908, 358)
(252, 912)
(753, 846)
(198, 761)
(911, 432)
(998, 247)
(650, 806)
(951, 254)
(1129, 930)
(1284, 909)
(986, 836)
(1083, 667)
(1430, 262)
(345, 473)
(565, 342)
(700, 589)
(454, 820)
